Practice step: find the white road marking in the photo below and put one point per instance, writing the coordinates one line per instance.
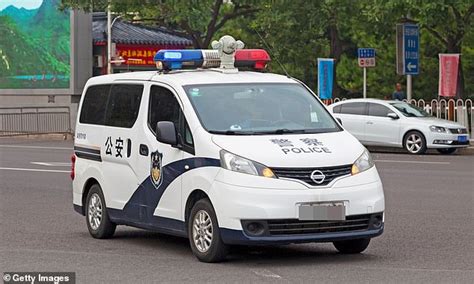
(33, 170)
(266, 273)
(35, 147)
(52, 164)
(412, 162)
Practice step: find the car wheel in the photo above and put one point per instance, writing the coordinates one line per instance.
(204, 235)
(415, 142)
(97, 218)
(447, 151)
(352, 246)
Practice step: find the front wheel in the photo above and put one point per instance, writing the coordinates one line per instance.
(447, 151)
(352, 246)
(204, 235)
(414, 142)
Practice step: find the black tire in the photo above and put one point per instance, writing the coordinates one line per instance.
(217, 250)
(447, 151)
(409, 140)
(106, 228)
(352, 246)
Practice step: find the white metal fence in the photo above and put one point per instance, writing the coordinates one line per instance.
(34, 120)
(461, 111)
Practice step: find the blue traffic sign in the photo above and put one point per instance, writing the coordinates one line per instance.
(366, 52)
(411, 49)
(366, 57)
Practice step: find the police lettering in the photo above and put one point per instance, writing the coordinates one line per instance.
(307, 150)
(108, 146)
(118, 147)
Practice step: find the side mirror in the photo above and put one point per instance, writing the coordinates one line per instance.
(393, 115)
(339, 120)
(166, 133)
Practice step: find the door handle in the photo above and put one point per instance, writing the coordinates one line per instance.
(370, 122)
(143, 150)
(129, 147)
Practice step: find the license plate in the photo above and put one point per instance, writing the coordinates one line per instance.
(462, 138)
(322, 212)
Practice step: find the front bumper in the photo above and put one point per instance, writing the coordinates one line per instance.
(361, 194)
(447, 140)
(238, 237)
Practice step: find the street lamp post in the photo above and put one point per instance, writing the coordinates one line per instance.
(110, 23)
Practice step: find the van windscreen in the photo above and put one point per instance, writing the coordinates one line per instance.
(259, 108)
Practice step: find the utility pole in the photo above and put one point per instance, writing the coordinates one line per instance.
(365, 83)
(409, 87)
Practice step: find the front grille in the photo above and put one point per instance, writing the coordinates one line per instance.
(279, 227)
(304, 174)
(458, 130)
(292, 226)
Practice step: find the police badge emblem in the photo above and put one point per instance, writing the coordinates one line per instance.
(155, 169)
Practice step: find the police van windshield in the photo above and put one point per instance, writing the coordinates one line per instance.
(252, 109)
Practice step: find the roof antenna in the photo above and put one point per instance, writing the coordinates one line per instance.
(271, 51)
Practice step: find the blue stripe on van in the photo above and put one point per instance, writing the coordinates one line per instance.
(141, 206)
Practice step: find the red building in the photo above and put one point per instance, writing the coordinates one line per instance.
(133, 45)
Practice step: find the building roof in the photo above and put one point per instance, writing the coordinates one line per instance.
(127, 33)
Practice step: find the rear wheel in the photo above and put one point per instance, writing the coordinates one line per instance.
(204, 235)
(447, 151)
(97, 218)
(352, 246)
(414, 142)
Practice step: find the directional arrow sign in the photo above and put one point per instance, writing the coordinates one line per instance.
(411, 46)
(411, 67)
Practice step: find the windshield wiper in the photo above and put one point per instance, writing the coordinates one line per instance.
(232, 132)
(282, 131)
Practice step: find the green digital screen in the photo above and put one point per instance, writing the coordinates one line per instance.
(34, 45)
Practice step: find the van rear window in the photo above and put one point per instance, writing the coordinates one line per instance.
(94, 105)
(111, 105)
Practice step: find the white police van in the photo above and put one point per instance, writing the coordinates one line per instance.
(221, 156)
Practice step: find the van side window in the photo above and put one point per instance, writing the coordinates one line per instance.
(94, 105)
(188, 136)
(337, 109)
(354, 108)
(378, 110)
(123, 105)
(163, 107)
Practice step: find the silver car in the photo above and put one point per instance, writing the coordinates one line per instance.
(399, 124)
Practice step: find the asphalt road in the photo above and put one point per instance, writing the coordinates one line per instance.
(428, 238)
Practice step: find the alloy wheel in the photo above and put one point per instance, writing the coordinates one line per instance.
(414, 143)
(202, 231)
(95, 211)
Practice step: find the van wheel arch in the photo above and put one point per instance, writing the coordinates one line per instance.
(87, 186)
(194, 197)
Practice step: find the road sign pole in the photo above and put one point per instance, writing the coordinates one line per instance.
(365, 83)
(408, 87)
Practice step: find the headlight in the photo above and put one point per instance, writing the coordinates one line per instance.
(238, 164)
(438, 129)
(363, 163)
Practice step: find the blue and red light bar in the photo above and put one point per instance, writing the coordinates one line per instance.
(207, 58)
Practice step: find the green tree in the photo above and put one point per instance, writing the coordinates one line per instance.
(448, 22)
(197, 20)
